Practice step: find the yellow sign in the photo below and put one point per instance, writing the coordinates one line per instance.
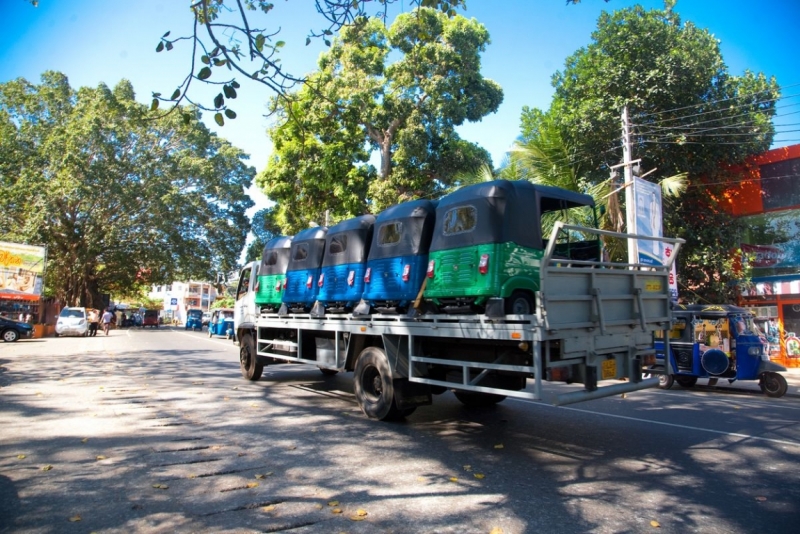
(608, 369)
(652, 286)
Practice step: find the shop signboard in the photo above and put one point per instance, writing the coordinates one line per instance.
(647, 198)
(772, 242)
(21, 271)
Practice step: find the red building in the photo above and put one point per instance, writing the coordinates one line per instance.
(767, 196)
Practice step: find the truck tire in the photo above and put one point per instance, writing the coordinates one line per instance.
(473, 399)
(374, 387)
(519, 303)
(251, 368)
(773, 384)
(686, 381)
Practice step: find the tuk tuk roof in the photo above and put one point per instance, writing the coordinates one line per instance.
(280, 245)
(313, 239)
(417, 218)
(358, 232)
(505, 212)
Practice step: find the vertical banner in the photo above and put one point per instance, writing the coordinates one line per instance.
(647, 201)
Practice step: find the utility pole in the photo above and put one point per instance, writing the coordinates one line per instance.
(630, 211)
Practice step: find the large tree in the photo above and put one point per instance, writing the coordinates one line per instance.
(119, 198)
(399, 91)
(688, 115)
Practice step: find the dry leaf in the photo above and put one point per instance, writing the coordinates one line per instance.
(75, 518)
(225, 398)
(498, 446)
(655, 524)
(160, 486)
(333, 503)
(361, 513)
(100, 457)
(261, 476)
(761, 499)
(84, 440)
(336, 511)
(453, 479)
(241, 454)
(47, 468)
(21, 456)
(252, 484)
(496, 530)
(268, 508)
(192, 476)
(422, 479)
(479, 476)
(467, 468)
(291, 448)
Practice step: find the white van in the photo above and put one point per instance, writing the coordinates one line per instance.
(72, 321)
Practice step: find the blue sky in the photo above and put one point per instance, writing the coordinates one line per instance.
(103, 41)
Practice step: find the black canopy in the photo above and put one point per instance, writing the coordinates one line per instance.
(275, 257)
(348, 242)
(308, 247)
(414, 222)
(501, 211)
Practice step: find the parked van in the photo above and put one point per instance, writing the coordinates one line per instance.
(341, 279)
(488, 243)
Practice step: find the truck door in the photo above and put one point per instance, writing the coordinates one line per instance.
(244, 309)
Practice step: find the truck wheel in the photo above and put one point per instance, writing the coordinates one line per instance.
(478, 400)
(773, 384)
(686, 381)
(519, 303)
(373, 385)
(248, 362)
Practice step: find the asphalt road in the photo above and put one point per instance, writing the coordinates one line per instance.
(156, 431)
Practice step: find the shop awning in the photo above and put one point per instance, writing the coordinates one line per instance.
(12, 294)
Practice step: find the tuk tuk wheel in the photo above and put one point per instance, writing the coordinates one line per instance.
(686, 381)
(773, 384)
(519, 303)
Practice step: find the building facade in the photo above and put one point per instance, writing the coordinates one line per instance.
(178, 297)
(767, 197)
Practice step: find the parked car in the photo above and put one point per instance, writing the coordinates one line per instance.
(14, 330)
(150, 318)
(72, 321)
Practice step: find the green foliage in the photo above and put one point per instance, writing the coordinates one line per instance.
(688, 115)
(120, 199)
(224, 302)
(400, 92)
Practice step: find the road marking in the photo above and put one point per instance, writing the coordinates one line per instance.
(674, 425)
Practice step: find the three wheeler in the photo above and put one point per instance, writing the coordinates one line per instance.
(271, 281)
(717, 341)
(194, 319)
(302, 273)
(221, 323)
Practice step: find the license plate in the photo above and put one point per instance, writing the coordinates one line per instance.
(608, 369)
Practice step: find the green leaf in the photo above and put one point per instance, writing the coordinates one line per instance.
(219, 120)
(169, 46)
(327, 42)
(154, 104)
(160, 46)
(165, 35)
(219, 101)
(205, 60)
(220, 62)
(280, 44)
(308, 41)
(229, 91)
(235, 84)
(230, 113)
(204, 74)
(260, 42)
(176, 94)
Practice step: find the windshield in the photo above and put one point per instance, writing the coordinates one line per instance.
(72, 312)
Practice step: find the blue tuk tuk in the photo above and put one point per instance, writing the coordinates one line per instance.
(398, 257)
(302, 273)
(341, 279)
(221, 323)
(194, 319)
(717, 341)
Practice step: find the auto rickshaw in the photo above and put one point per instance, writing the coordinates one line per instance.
(221, 323)
(717, 341)
(194, 319)
(302, 273)
(272, 273)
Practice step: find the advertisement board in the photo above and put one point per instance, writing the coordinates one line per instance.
(647, 199)
(21, 271)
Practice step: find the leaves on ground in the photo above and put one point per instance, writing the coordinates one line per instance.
(75, 518)
(479, 476)
(498, 446)
(100, 457)
(655, 524)
(761, 498)
(453, 479)
(160, 486)
(496, 530)
(47, 467)
(336, 511)
(252, 484)
(21, 457)
(360, 515)
(467, 468)
(268, 508)
(84, 440)
(333, 503)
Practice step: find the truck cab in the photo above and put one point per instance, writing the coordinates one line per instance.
(245, 311)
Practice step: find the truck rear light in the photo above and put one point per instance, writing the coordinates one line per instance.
(351, 278)
(309, 281)
(278, 286)
(431, 266)
(258, 284)
(483, 266)
(321, 281)
(406, 272)
(285, 283)
(367, 275)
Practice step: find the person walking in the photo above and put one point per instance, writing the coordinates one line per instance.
(106, 320)
(93, 320)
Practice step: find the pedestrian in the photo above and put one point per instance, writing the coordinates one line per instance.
(93, 320)
(106, 320)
